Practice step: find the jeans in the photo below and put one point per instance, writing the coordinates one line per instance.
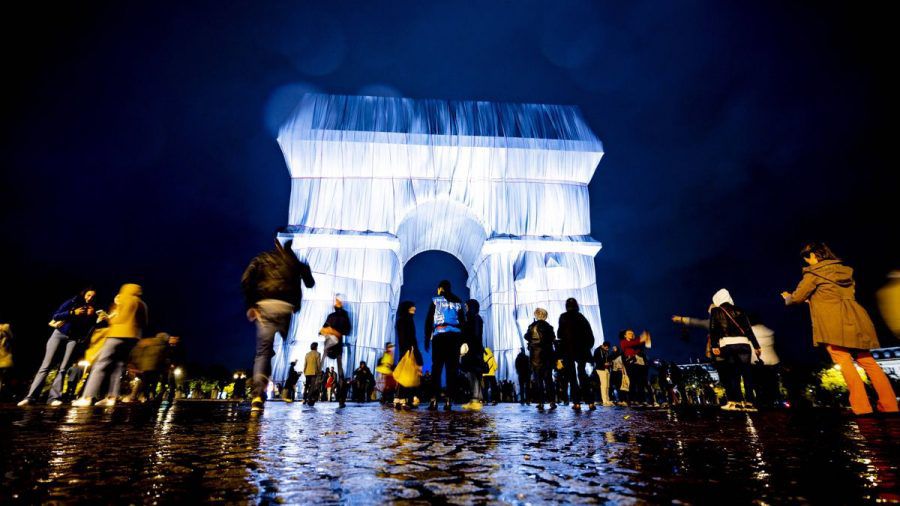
(475, 383)
(736, 363)
(274, 317)
(444, 353)
(110, 364)
(57, 339)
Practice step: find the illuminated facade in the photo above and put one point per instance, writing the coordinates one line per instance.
(502, 187)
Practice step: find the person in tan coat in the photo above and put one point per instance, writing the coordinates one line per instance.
(841, 325)
(126, 324)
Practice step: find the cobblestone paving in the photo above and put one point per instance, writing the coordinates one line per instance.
(365, 454)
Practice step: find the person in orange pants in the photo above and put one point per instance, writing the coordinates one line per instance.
(842, 325)
(859, 400)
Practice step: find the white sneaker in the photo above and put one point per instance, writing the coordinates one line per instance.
(24, 402)
(731, 406)
(56, 402)
(82, 403)
(109, 402)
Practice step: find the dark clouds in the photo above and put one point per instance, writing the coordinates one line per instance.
(138, 143)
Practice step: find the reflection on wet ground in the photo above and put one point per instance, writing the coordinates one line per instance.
(208, 451)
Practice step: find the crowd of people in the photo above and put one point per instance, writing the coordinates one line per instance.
(94, 352)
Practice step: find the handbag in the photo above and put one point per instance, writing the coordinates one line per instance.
(408, 373)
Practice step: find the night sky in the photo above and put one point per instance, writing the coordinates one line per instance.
(138, 146)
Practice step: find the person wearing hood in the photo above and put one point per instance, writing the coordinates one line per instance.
(406, 341)
(127, 322)
(443, 329)
(540, 339)
(576, 340)
(336, 327)
(472, 362)
(72, 323)
(842, 325)
(730, 340)
(489, 377)
(272, 292)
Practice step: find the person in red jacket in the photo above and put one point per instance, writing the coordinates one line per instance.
(633, 347)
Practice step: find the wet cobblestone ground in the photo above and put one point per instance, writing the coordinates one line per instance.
(219, 452)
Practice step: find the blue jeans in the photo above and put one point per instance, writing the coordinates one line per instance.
(274, 316)
(110, 363)
(57, 340)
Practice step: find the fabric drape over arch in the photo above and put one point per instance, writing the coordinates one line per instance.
(503, 187)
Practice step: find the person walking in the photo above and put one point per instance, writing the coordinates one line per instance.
(730, 339)
(472, 362)
(272, 291)
(490, 377)
(540, 339)
(336, 327)
(602, 366)
(127, 322)
(147, 358)
(72, 323)
(842, 325)
(576, 340)
(443, 327)
(405, 328)
(385, 380)
(312, 371)
(523, 374)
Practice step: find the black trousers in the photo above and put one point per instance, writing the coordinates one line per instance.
(524, 390)
(490, 384)
(576, 378)
(444, 354)
(735, 363)
(543, 384)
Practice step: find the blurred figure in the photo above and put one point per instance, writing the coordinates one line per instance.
(363, 382)
(540, 339)
(6, 356)
(385, 379)
(443, 327)
(272, 292)
(174, 359)
(635, 365)
(490, 390)
(842, 325)
(289, 392)
(766, 371)
(337, 325)
(312, 370)
(148, 358)
(405, 328)
(889, 302)
(576, 340)
(731, 338)
(523, 374)
(473, 362)
(72, 323)
(126, 324)
(602, 366)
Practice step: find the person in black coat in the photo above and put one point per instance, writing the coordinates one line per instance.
(523, 373)
(406, 341)
(540, 339)
(472, 363)
(337, 326)
(576, 340)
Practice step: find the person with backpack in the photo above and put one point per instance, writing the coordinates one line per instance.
(540, 339)
(443, 331)
(337, 326)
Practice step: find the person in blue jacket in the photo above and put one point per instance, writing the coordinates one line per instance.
(72, 324)
(443, 330)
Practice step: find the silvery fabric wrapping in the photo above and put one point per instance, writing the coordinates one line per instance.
(502, 187)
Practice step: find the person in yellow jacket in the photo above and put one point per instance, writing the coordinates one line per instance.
(490, 390)
(6, 357)
(126, 325)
